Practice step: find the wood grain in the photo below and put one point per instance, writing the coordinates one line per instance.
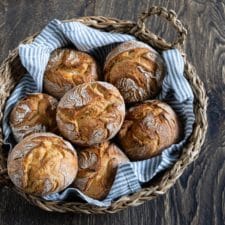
(199, 195)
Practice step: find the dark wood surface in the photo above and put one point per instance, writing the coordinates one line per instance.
(199, 195)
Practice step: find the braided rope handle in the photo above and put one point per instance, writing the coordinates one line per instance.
(170, 16)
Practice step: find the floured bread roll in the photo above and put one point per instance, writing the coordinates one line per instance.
(97, 166)
(34, 113)
(66, 69)
(42, 163)
(90, 113)
(136, 69)
(148, 129)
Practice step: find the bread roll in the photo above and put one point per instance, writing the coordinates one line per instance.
(42, 163)
(90, 113)
(136, 69)
(34, 113)
(148, 129)
(97, 169)
(66, 69)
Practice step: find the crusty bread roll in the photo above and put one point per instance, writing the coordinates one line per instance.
(148, 129)
(66, 69)
(97, 166)
(42, 163)
(136, 69)
(90, 113)
(34, 113)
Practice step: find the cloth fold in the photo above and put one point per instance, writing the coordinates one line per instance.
(175, 91)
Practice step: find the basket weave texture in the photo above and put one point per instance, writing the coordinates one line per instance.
(11, 71)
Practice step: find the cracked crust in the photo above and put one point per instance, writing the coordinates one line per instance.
(97, 169)
(90, 113)
(136, 69)
(42, 163)
(66, 69)
(33, 114)
(148, 129)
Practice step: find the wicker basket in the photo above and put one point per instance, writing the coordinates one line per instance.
(11, 71)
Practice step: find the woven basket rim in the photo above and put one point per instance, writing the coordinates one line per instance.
(191, 149)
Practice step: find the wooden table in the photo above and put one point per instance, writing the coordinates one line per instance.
(199, 195)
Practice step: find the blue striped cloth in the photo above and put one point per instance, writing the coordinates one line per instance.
(175, 91)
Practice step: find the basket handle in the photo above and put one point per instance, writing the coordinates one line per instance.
(170, 16)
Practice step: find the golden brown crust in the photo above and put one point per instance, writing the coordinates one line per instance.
(97, 169)
(34, 113)
(42, 163)
(68, 68)
(148, 129)
(90, 113)
(136, 69)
